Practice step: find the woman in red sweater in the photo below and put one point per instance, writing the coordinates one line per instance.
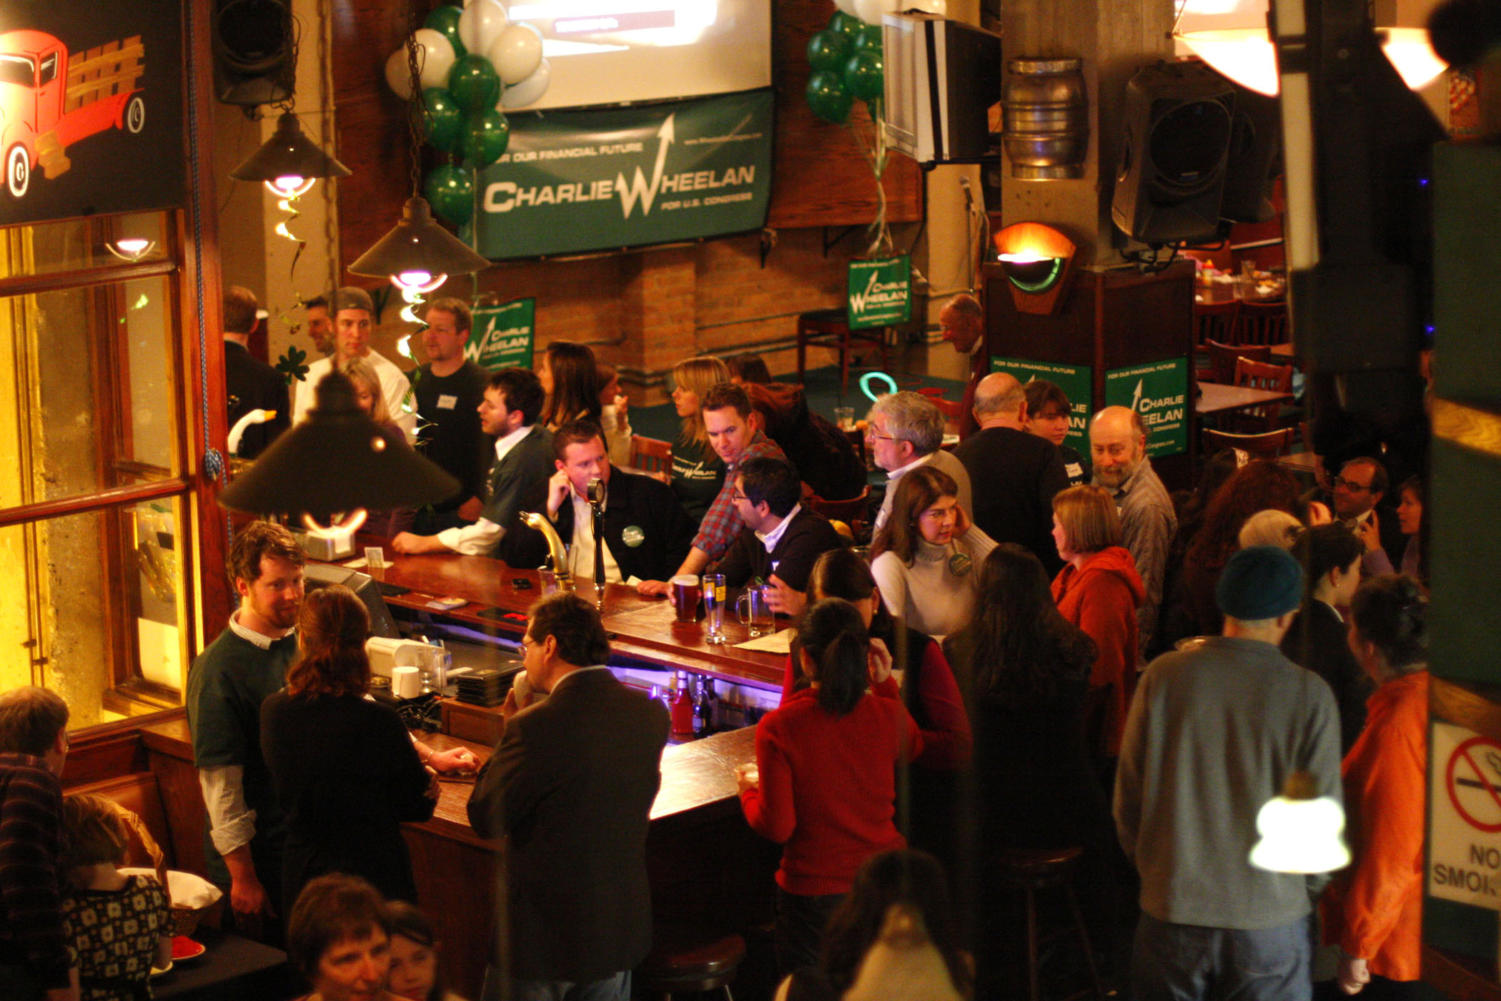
(1374, 909)
(1098, 590)
(824, 785)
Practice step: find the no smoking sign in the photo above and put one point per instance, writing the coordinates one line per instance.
(1464, 836)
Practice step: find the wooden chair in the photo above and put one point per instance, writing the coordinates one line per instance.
(1266, 445)
(830, 328)
(1261, 323)
(1222, 358)
(1213, 321)
(1260, 375)
(651, 455)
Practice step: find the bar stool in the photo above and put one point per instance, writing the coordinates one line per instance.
(673, 968)
(1033, 870)
(831, 328)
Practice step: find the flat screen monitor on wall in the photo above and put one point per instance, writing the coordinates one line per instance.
(622, 51)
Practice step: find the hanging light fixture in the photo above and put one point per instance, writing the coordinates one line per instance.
(1301, 831)
(418, 255)
(289, 163)
(330, 468)
(1242, 49)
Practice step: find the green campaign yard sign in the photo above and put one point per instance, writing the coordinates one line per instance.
(572, 181)
(1158, 391)
(880, 292)
(501, 336)
(1075, 381)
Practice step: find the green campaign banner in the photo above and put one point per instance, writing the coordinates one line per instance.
(1075, 381)
(880, 292)
(572, 181)
(501, 336)
(1158, 391)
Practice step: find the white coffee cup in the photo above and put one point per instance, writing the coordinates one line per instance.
(406, 682)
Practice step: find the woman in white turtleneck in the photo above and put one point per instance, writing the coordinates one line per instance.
(927, 555)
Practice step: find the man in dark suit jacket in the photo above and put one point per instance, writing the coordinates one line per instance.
(517, 481)
(646, 532)
(249, 383)
(1013, 474)
(571, 785)
(782, 539)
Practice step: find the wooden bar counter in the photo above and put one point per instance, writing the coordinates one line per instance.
(709, 872)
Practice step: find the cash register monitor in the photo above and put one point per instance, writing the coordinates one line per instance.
(365, 588)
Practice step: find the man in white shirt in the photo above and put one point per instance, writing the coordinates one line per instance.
(354, 314)
(644, 531)
(517, 482)
(903, 431)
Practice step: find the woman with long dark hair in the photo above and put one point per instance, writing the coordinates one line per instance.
(345, 770)
(824, 785)
(570, 378)
(899, 902)
(1025, 670)
(1374, 909)
(925, 555)
(1410, 520)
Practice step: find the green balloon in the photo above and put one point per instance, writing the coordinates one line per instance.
(442, 119)
(450, 191)
(445, 21)
(847, 25)
(828, 97)
(868, 39)
(863, 76)
(485, 137)
(827, 50)
(473, 83)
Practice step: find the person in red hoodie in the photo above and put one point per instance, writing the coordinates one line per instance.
(1374, 909)
(824, 782)
(1099, 590)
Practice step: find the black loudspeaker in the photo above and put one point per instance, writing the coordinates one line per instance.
(1255, 157)
(254, 51)
(1173, 155)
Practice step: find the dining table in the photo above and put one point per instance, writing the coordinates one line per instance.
(1217, 397)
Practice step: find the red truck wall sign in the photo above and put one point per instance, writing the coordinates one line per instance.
(91, 103)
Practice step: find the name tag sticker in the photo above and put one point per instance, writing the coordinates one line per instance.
(447, 401)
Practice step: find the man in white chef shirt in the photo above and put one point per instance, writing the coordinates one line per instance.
(646, 532)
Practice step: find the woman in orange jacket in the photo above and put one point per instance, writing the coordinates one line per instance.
(1098, 590)
(1373, 910)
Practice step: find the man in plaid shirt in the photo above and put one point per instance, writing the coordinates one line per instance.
(727, 419)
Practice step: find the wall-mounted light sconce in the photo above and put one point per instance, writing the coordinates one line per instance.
(1037, 261)
(1239, 47)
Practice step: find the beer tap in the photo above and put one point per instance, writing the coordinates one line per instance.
(596, 507)
(558, 554)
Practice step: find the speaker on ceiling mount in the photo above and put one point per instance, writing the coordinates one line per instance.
(254, 51)
(1174, 154)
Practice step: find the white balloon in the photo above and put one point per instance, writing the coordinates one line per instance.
(436, 57)
(481, 24)
(528, 91)
(848, 6)
(398, 76)
(870, 11)
(516, 54)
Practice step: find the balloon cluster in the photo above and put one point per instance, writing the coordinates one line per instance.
(846, 56)
(475, 65)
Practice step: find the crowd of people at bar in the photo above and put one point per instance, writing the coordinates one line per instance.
(1036, 650)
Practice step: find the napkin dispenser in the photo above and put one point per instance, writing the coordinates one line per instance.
(386, 653)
